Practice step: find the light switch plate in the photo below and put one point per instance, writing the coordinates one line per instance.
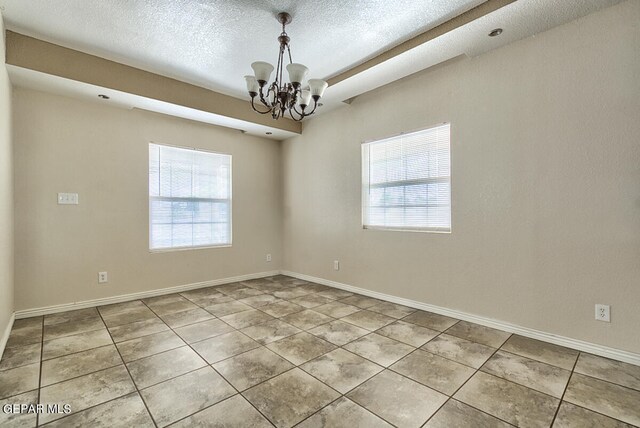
(67, 199)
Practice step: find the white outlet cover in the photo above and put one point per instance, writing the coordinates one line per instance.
(603, 313)
(103, 278)
(336, 265)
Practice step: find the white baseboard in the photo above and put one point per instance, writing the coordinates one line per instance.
(604, 351)
(592, 348)
(28, 313)
(6, 333)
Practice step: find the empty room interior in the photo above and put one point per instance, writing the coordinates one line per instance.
(314, 214)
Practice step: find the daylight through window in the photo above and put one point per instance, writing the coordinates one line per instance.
(189, 198)
(406, 181)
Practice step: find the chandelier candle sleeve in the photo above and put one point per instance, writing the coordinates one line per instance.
(278, 96)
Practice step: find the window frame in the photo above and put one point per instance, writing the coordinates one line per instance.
(364, 197)
(192, 247)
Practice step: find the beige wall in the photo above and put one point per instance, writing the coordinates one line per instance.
(6, 194)
(545, 184)
(101, 153)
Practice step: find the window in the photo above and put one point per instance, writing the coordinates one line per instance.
(189, 198)
(406, 182)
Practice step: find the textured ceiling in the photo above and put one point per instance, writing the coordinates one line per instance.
(520, 19)
(175, 38)
(211, 43)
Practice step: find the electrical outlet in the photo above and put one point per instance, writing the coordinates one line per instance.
(102, 278)
(336, 265)
(268, 257)
(603, 313)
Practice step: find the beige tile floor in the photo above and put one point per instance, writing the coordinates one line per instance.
(284, 352)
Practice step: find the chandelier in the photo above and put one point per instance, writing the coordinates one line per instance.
(279, 97)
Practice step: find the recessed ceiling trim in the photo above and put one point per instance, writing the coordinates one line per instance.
(48, 83)
(464, 18)
(34, 54)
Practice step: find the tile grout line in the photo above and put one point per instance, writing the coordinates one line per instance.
(77, 352)
(220, 402)
(555, 415)
(359, 384)
(155, 353)
(128, 372)
(298, 366)
(341, 395)
(355, 387)
(40, 373)
(369, 332)
(347, 398)
(133, 392)
(318, 411)
(140, 337)
(295, 365)
(88, 408)
(83, 374)
(601, 414)
(207, 365)
(449, 397)
(240, 331)
(344, 395)
(78, 332)
(477, 370)
(20, 364)
(365, 335)
(254, 386)
(606, 381)
(172, 377)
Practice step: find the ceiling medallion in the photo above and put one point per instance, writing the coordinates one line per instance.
(281, 97)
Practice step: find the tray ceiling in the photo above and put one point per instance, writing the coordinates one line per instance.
(212, 43)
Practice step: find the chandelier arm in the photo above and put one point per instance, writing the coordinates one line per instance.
(258, 111)
(293, 97)
(315, 106)
(263, 100)
(301, 115)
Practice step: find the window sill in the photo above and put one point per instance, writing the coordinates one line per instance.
(204, 247)
(408, 229)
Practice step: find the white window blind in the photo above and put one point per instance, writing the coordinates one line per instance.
(189, 198)
(406, 181)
